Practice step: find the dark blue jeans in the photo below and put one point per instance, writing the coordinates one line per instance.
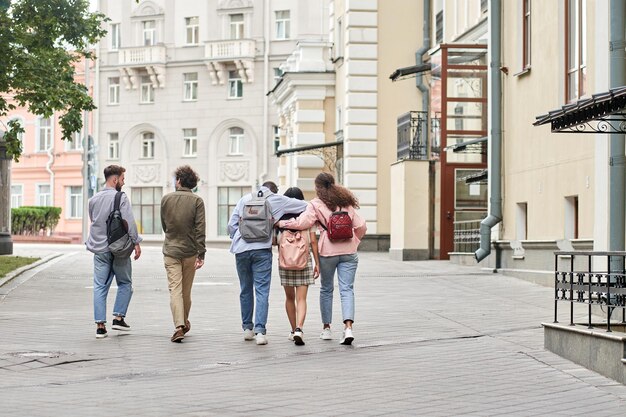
(254, 268)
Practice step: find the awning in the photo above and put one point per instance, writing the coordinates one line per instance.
(308, 148)
(403, 72)
(602, 113)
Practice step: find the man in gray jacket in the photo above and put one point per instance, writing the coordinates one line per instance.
(105, 265)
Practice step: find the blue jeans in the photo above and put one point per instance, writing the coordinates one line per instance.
(345, 265)
(254, 268)
(105, 266)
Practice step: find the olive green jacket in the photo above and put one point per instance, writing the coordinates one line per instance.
(183, 221)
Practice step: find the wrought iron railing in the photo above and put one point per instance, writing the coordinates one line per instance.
(584, 281)
(467, 236)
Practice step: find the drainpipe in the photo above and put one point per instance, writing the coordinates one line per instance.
(419, 59)
(617, 10)
(495, 134)
(266, 87)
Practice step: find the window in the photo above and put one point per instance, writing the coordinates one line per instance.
(17, 196)
(43, 197)
(114, 146)
(147, 146)
(282, 24)
(149, 32)
(192, 30)
(19, 121)
(44, 135)
(114, 90)
(277, 74)
(236, 26)
(276, 130)
(439, 27)
(147, 90)
(114, 31)
(190, 137)
(227, 198)
(75, 202)
(76, 144)
(147, 209)
(575, 50)
(571, 217)
(521, 221)
(235, 141)
(526, 35)
(235, 85)
(190, 86)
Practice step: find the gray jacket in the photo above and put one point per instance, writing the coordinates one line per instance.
(100, 206)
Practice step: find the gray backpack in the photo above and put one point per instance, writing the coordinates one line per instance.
(256, 222)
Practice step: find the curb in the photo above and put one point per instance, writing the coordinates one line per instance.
(15, 273)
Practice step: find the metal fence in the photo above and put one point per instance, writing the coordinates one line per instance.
(467, 236)
(581, 280)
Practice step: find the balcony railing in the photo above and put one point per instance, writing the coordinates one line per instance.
(143, 55)
(230, 49)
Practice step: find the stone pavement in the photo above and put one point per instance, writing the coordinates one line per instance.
(431, 339)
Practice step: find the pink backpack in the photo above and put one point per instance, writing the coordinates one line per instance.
(293, 250)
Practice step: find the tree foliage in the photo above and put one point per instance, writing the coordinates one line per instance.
(40, 42)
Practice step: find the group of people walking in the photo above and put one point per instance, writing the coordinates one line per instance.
(291, 219)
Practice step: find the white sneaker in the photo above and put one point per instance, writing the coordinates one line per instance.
(248, 334)
(261, 339)
(326, 334)
(348, 337)
(298, 337)
(290, 337)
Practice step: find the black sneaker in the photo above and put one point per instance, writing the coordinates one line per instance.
(101, 333)
(120, 325)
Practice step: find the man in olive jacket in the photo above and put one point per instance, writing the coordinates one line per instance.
(183, 221)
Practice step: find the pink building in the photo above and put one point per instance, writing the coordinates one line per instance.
(49, 172)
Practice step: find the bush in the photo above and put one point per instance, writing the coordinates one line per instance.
(30, 220)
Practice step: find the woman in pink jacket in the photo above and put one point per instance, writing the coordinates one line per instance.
(335, 255)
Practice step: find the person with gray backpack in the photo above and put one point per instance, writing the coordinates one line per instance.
(112, 221)
(251, 228)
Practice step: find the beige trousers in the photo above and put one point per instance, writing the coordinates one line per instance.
(180, 275)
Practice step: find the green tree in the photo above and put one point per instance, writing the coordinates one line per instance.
(40, 40)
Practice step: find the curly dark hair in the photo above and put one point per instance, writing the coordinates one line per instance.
(187, 176)
(333, 195)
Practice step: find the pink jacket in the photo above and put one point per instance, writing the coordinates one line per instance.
(311, 215)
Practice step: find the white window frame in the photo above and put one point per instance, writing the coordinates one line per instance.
(114, 91)
(235, 141)
(149, 32)
(190, 141)
(43, 199)
(237, 27)
(283, 24)
(74, 202)
(147, 145)
(114, 29)
(235, 85)
(276, 130)
(192, 30)
(147, 90)
(76, 144)
(22, 124)
(190, 86)
(17, 200)
(278, 73)
(113, 145)
(47, 132)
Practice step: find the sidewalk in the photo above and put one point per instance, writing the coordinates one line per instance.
(431, 339)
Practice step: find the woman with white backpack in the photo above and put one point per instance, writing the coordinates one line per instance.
(335, 210)
(296, 269)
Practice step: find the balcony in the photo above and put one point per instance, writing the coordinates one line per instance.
(141, 56)
(218, 54)
(230, 50)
